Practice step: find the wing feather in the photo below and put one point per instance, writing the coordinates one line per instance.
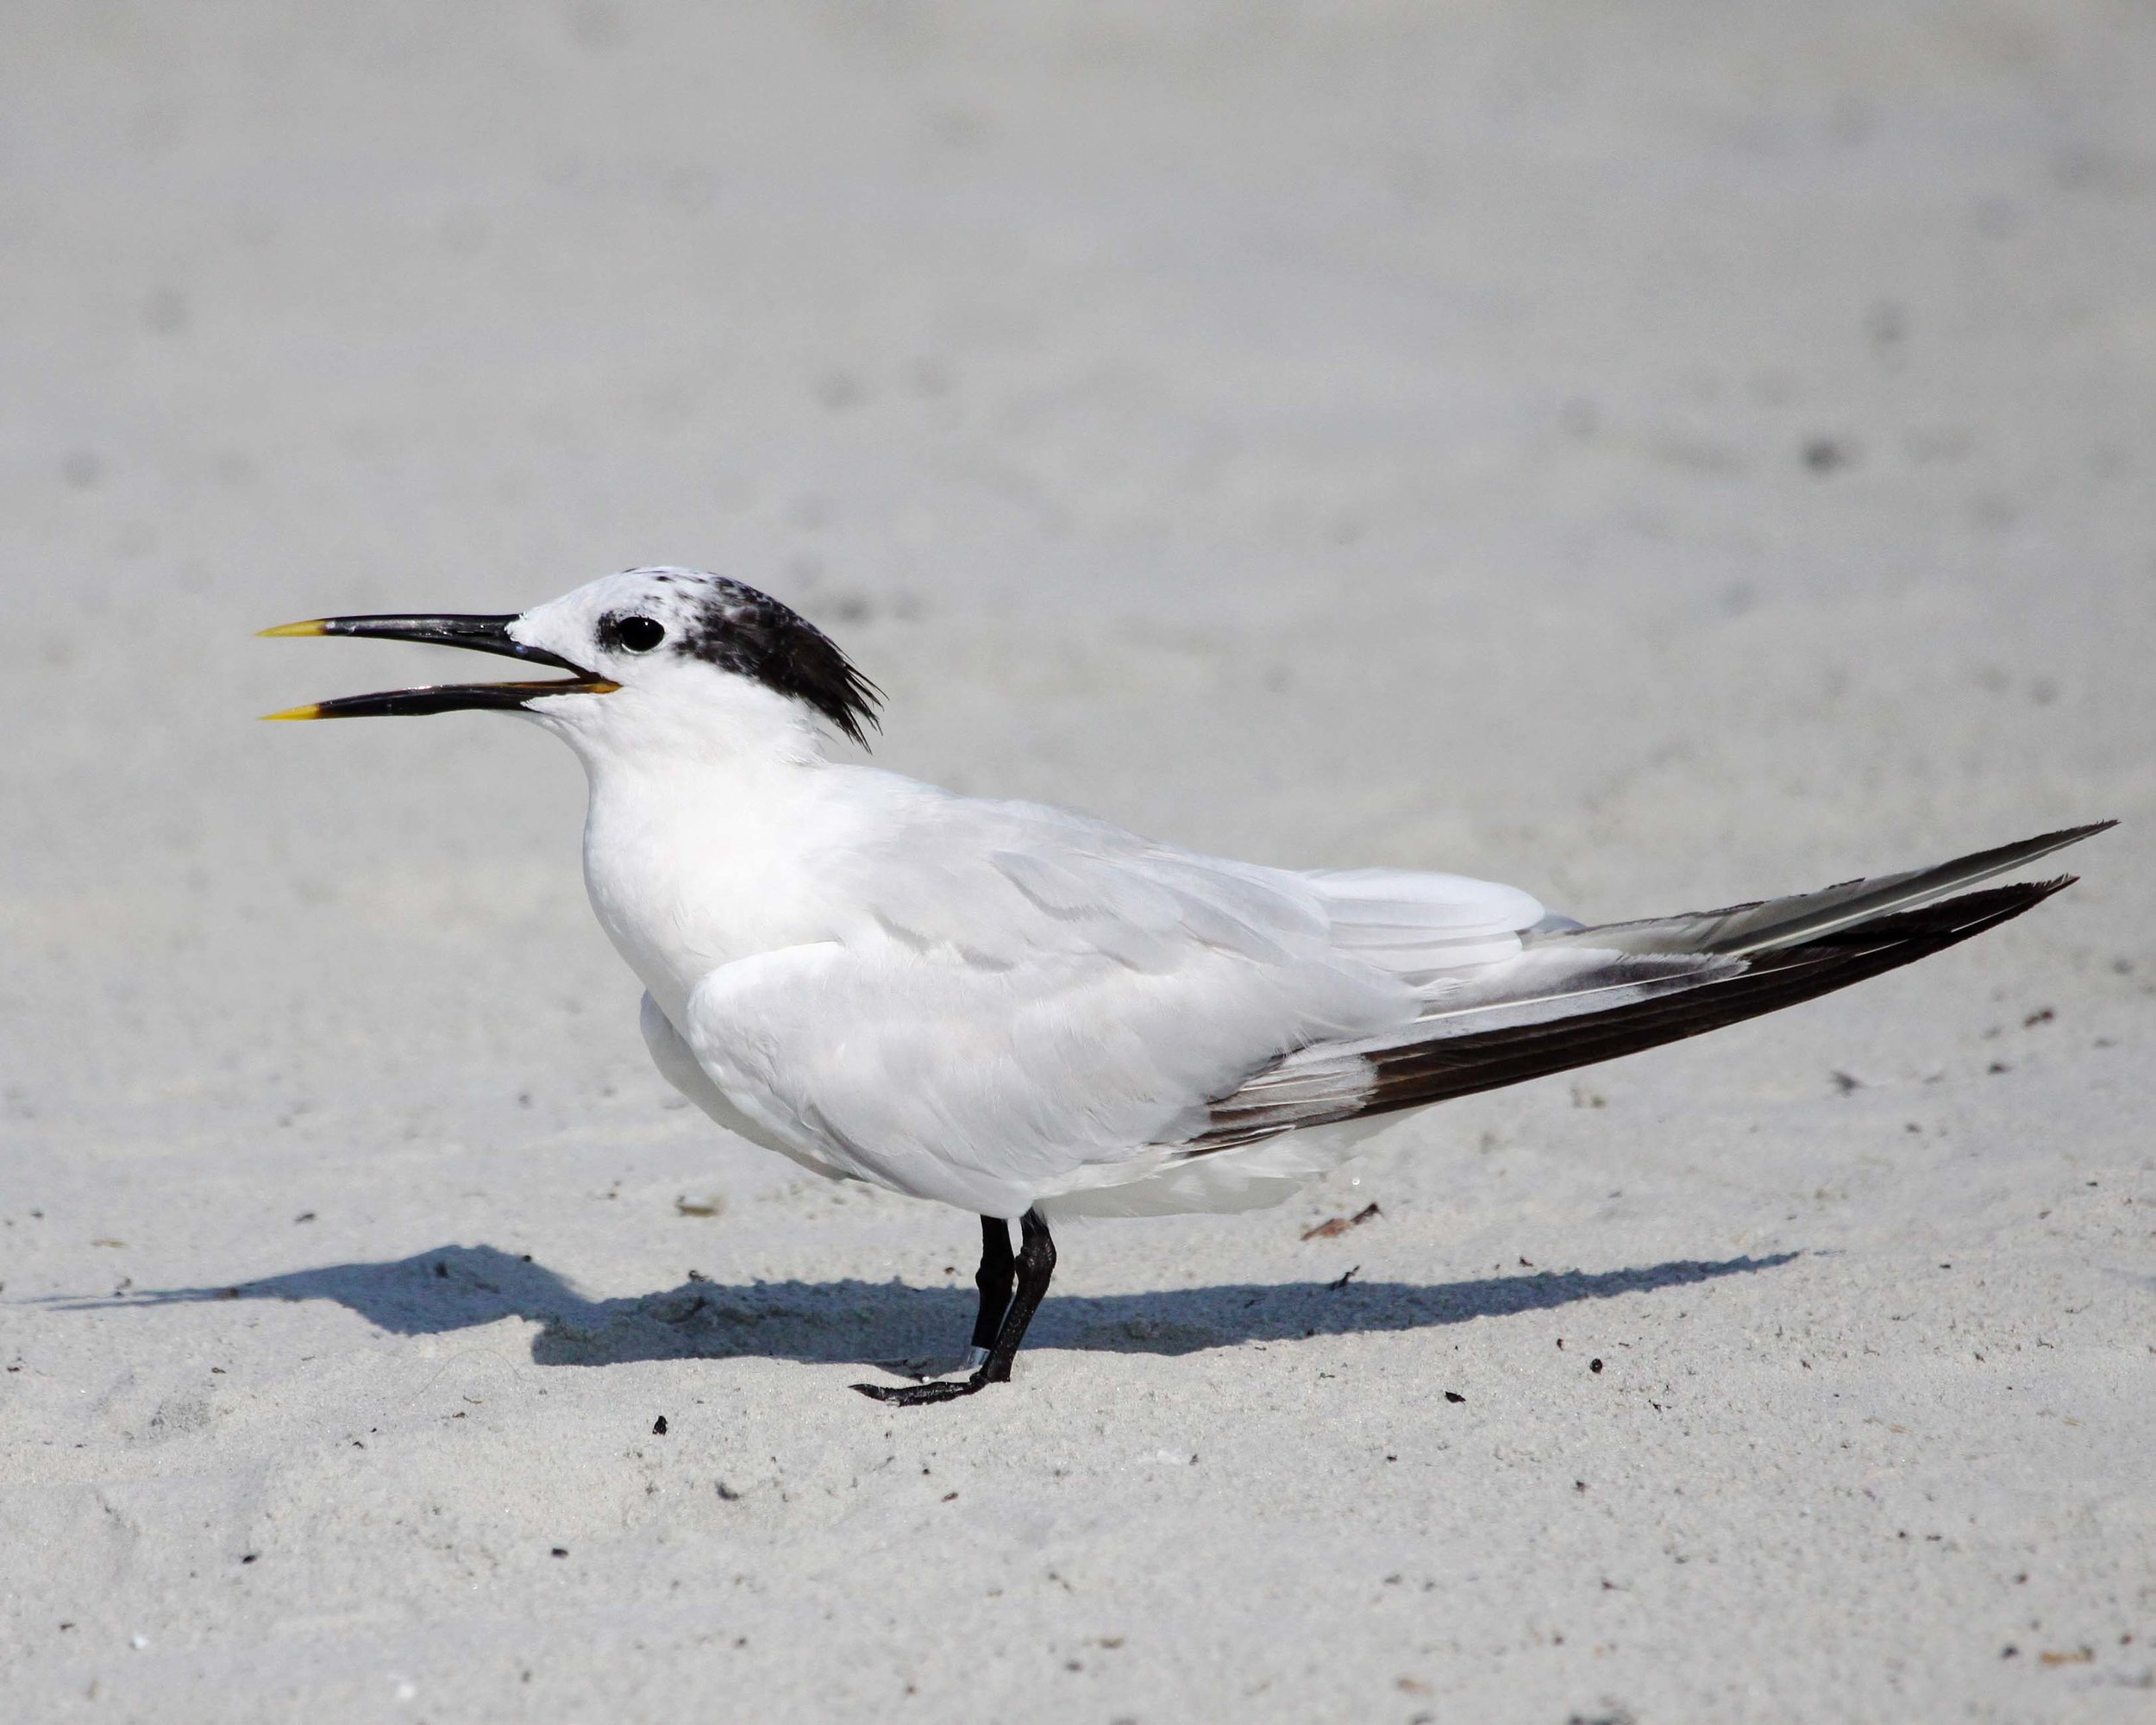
(1012, 999)
(1583, 995)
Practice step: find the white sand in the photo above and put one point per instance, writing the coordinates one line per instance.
(1369, 434)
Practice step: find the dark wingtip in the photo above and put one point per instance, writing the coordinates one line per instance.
(1415, 1075)
(2038, 891)
(2035, 892)
(2045, 843)
(1948, 922)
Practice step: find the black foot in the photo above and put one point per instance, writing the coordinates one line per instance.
(1034, 1265)
(923, 1395)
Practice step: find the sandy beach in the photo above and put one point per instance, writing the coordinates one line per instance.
(1661, 455)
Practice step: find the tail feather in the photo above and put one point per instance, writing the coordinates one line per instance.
(1700, 972)
(1741, 931)
(1458, 1066)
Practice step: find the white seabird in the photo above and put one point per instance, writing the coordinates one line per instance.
(1030, 1014)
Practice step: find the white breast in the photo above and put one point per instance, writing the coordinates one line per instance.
(690, 872)
(988, 1003)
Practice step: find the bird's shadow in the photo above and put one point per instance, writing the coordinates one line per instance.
(851, 1321)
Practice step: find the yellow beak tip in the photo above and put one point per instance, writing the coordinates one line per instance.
(313, 626)
(308, 712)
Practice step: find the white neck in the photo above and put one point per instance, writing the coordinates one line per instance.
(694, 832)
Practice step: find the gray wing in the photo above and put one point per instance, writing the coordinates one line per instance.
(1575, 996)
(1007, 1001)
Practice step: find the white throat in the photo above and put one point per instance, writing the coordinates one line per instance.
(694, 832)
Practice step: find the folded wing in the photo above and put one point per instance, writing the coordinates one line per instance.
(1573, 996)
(1007, 999)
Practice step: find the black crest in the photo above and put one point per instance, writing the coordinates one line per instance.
(735, 627)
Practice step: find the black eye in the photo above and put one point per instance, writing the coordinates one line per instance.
(640, 634)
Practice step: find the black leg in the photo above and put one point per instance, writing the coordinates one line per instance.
(1035, 1264)
(1036, 1269)
(993, 1279)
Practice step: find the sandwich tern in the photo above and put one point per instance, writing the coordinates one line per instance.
(1030, 1014)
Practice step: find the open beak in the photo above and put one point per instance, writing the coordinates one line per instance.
(482, 634)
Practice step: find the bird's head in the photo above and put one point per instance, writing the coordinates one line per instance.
(653, 656)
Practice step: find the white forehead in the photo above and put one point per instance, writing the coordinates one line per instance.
(712, 623)
(670, 595)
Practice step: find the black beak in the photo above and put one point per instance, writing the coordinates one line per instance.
(482, 634)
